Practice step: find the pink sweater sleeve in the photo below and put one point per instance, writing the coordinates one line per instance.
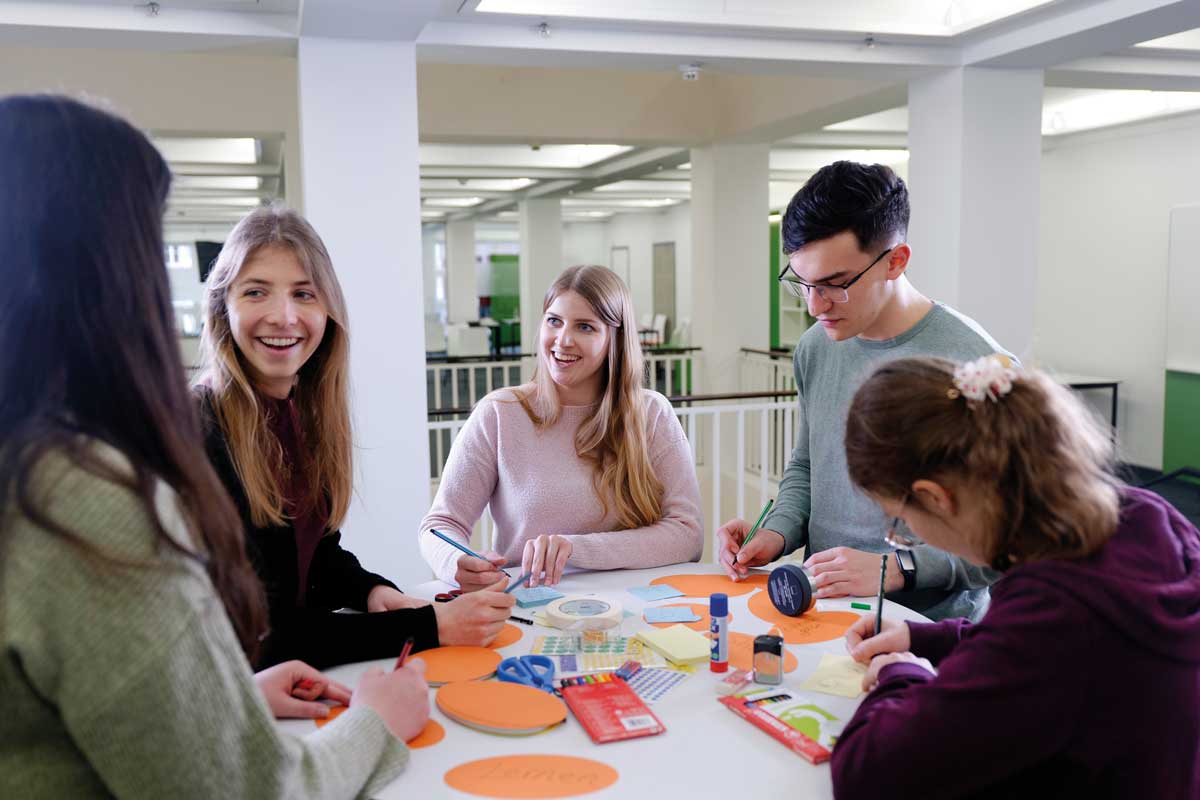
(468, 481)
(679, 535)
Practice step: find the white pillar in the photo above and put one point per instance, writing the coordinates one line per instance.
(359, 158)
(462, 304)
(541, 261)
(974, 139)
(730, 257)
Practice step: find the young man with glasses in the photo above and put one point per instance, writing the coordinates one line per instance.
(844, 237)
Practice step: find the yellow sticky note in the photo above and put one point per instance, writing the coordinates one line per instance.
(678, 643)
(839, 675)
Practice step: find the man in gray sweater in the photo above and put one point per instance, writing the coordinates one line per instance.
(843, 234)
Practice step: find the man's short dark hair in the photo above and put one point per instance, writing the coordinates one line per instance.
(870, 201)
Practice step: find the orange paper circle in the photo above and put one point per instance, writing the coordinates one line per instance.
(450, 664)
(811, 626)
(334, 713)
(504, 706)
(509, 634)
(431, 734)
(704, 585)
(741, 653)
(524, 776)
(701, 611)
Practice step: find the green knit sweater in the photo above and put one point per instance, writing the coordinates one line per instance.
(130, 682)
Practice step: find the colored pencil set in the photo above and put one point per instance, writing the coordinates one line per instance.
(582, 680)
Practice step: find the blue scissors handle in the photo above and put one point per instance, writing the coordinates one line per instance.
(536, 671)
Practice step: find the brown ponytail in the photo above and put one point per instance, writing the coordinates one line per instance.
(1042, 459)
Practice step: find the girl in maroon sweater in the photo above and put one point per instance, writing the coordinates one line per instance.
(1083, 678)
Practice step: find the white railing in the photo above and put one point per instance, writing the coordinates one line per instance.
(728, 442)
(760, 372)
(462, 384)
(672, 373)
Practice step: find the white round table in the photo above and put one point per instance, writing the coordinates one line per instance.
(706, 751)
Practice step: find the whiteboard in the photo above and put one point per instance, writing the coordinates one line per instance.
(1183, 290)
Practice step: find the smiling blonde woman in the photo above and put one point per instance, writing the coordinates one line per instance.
(581, 466)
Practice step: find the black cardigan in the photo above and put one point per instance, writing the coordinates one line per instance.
(313, 633)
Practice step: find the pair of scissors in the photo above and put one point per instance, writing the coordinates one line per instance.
(446, 597)
(535, 671)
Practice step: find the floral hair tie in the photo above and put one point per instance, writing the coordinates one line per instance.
(987, 378)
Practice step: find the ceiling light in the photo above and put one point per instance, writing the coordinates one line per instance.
(452, 202)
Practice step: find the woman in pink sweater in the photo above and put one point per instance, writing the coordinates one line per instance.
(582, 466)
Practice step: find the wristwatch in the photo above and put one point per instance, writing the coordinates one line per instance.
(908, 568)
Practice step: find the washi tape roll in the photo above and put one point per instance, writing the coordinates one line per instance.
(584, 613)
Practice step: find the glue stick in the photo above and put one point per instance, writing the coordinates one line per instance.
(718, 626)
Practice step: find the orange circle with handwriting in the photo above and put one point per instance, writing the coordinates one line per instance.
(500, 707)
(741, 653)
(457, 663)
(704, 585)
(509, 634)
(700, 611)
(522, 776)
(809, 627)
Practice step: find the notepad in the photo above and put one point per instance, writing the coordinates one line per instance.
(537, 596)
(651, 593)
(678, 643)
(838, 675)
(671, 614)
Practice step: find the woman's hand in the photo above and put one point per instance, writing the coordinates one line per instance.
(547, 553)
(400, 698)
(871, 679)
(293, 689)
(475, 618)
(475, 574)
(862, 644)
(385, 598)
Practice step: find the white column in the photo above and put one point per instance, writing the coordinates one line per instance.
(541, 261)
(730, 258)
(462, 304)
(359, 158)
(974, 139)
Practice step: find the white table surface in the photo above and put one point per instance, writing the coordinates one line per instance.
(706, 751)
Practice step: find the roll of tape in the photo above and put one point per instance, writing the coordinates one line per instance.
(790, 590)
(584, 613)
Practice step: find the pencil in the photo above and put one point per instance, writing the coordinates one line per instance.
(517, 583)
(761, 517)
(462, 547)
(879, 608)
(408, 645)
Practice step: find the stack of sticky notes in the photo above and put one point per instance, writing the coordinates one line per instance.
(670, 614)
(679, 643)
(537, 596)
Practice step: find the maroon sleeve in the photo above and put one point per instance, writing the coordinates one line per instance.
(935, 640)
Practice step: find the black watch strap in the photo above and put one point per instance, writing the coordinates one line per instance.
(908, 568)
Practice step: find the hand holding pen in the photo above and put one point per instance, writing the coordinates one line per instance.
(294, 690)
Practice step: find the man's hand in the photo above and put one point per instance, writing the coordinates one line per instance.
(840, 571)
(766, 546)
(385, 598)
(475, 574)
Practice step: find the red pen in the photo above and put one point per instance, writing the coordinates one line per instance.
(408, 646)
(304, 684)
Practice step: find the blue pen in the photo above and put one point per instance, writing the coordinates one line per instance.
(517, 583)
(462, 547)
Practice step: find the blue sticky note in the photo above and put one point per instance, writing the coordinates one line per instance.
(537, 596)
(671, 614)
(650, 593)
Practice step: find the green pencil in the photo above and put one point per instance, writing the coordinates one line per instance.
(761, 517)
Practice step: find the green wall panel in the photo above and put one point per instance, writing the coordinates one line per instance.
(1181, 423)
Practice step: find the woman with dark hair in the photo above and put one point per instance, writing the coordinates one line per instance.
(126, 597)
(1083, 678)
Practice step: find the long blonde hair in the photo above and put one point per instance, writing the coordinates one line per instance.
(613, 438)
(322, 391)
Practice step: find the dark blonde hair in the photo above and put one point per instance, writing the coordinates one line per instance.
(1037, 453)
(322, 391)
(613, 438)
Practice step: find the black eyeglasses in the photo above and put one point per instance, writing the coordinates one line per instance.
(834, 293)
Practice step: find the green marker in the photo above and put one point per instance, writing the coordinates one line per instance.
(761, 517)
(863, 606)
